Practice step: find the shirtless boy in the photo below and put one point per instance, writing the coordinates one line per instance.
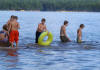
(79, 33)
(63, 34)
(14, 34)
(41, 28)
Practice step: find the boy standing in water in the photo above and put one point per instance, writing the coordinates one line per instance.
(41, 28)
(14, 34)
(63, 35)
(79, 33)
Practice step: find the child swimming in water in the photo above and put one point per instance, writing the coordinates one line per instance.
(79, 33)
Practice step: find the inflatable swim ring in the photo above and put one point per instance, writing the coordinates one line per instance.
(48, 41)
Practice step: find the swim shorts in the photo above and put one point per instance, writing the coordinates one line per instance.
(37, 36)
(64, 39)
(79, 41)
(14, 36)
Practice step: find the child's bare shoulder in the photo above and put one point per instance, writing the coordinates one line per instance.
(39, 24)
(16, 22)
(8, 22)
(78, 30)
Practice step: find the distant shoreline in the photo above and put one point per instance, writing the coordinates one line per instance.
(48, 11)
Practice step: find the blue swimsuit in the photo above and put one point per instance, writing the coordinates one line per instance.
(5, 39)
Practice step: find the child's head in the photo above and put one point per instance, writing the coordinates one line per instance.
(15, 18)
(65, 23)
(5, 27)
(82, 26)
(12, 17)
(43, 20)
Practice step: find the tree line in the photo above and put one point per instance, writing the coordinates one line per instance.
(51, 5)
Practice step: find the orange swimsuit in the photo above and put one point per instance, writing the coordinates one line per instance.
(14, 36)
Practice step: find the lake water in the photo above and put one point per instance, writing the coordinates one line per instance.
(57, 56)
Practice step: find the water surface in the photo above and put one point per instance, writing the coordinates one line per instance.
(57, 56)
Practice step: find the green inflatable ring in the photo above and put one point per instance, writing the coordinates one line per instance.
(48, 41)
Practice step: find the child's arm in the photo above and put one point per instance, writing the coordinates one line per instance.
(45, 28)
(8, 22)
(6, 35)
(18, 26)
(9, 28)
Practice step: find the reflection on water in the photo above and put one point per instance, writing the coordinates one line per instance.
(9, 59)
(57, 56)
(12, 52)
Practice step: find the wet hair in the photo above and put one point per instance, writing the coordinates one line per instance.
(65, 22)
(5, 27)
(43, 19)
(12, 16)
(82, 25)
(15, 17)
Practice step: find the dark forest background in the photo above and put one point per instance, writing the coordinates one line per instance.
(51, 5)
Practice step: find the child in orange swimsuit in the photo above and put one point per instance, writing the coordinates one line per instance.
(14, 34)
